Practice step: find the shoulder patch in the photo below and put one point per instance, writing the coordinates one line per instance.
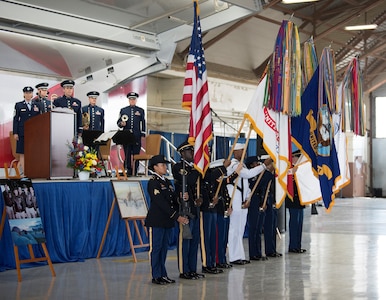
(156, 192)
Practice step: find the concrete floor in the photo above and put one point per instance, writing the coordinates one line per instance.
(345, 259)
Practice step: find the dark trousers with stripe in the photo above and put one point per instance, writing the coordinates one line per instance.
(208, 238)
(270, 224)
(159, 243)
(255, 228)
(222, 237)
(188, 248)
(295, 228)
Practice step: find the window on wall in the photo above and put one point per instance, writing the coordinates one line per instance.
(380, 120)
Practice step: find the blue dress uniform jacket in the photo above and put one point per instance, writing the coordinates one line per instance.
(45, 104)
(163, 211)
(75, 105)
(97, 117)
(22, 114)
(136, 122)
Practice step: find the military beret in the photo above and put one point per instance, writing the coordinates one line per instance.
(43, 85)
(67, 83)
(157, 159)
(93, 94)
(250, 160)
(185, 146)
(28, 89)
(132, 95)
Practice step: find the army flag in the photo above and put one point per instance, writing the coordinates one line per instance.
(273, 128)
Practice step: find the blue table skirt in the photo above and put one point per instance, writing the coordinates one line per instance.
(74, 215)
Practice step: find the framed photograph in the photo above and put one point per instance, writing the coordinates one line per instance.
(130, 198)
(22, 211)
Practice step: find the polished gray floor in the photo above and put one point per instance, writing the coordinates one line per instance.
(345, 259)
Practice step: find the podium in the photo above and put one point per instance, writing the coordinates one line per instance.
(45, 145)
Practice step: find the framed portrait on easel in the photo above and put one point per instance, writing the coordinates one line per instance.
(130, 198)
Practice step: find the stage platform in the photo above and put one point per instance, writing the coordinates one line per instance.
(74, 215)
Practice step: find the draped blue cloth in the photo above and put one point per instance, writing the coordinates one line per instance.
(74, 215)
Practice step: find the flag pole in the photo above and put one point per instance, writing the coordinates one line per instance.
(236, 138)
(241, 161)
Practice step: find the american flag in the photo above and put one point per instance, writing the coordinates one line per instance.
(196, 98)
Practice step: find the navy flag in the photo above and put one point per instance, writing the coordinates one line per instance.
(313, 134)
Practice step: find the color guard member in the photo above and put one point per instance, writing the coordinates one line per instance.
(161, 217)
(238, 218)
(187, 248)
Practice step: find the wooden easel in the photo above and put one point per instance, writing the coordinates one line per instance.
(134, 220)
(32, 259)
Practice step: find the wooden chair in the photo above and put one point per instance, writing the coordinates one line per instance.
(14, 163)
(104, 151)
(153, 147)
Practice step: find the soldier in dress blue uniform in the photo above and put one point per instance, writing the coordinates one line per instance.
(94, 113)
(257, 207)
(67, 100)
(296, 212)
(216, 172)
(24, 110)
(161, 217)
(132, 118)
(187, 248)
(42, 99)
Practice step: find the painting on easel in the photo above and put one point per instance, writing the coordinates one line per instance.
(130, 199)
(22, 211)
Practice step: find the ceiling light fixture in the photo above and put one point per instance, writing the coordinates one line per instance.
(296, 1)
(361, 27)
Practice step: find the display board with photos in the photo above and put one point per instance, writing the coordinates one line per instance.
(22, 211)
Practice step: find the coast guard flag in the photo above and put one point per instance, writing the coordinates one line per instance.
(196, 98)
(313, 133)
(273, 128)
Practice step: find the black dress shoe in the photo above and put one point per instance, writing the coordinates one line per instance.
(238, 262)
(197, 275)
(212, 270)
(224, 266)
(246, 261)
(187, 276)
(255, 257)
(168, 280)
(158, 280)
(275, 254)
(297, 250)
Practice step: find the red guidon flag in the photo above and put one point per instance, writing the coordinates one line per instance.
(196, 98)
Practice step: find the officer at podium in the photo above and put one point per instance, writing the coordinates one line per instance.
(42, 99)
(93, 116)
(67, 100)
(24, 110)
(132, 118)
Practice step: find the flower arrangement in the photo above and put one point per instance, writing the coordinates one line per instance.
(83, 158)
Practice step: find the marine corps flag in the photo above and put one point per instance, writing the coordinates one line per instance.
(196, 98)
(313, 133)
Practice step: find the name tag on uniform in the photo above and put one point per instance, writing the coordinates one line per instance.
(23, 109)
